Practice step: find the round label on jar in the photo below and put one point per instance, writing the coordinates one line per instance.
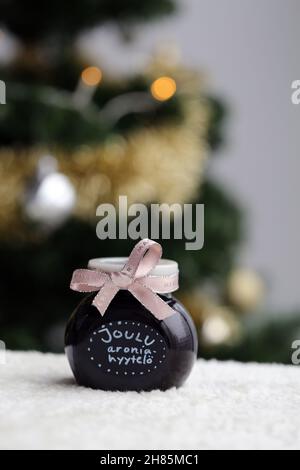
(127, 348)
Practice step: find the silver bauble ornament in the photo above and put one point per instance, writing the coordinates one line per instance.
(50, 196)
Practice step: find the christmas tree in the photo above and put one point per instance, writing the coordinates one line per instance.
(73, 137)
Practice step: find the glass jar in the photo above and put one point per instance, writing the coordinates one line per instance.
(128, 348)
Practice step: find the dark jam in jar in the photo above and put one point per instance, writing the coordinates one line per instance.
(128, 348)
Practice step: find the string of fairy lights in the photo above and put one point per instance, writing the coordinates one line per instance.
(162, 88)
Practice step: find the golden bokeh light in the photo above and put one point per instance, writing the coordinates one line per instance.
(163, 88)
(91, 76)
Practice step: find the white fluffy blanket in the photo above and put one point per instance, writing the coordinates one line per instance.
(222, 406)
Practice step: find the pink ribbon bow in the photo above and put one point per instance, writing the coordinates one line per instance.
(134, 277)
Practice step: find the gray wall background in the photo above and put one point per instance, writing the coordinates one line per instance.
(250, 49)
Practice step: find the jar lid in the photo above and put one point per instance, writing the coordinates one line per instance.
(165, 267)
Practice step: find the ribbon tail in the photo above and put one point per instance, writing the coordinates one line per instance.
(151, 301)
(104, 297)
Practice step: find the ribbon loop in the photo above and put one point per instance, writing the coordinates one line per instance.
(134, 277)
(87, 280)
(143, 258)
